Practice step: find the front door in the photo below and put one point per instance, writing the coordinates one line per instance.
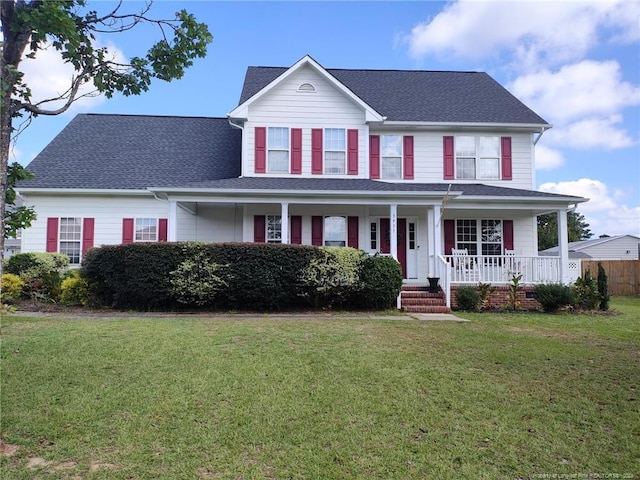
(385, 241)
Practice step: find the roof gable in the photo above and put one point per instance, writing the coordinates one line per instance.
(417, 95)
(259, 89)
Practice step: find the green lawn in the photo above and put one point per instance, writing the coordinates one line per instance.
(517, 396)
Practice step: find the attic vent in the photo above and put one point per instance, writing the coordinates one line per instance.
(307, 88)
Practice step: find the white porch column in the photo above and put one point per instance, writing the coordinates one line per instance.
(284, 222)
(393, 230)
(431, 248)
(172, 234)
(437, 238)
(563, 245)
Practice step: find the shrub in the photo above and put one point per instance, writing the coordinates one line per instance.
(12, 286)
(485, 290)
(514, 287)
(380, 283)
(74, 290)
(332, 279)
(467, 298)
(196, 281)
(586, 292)
(553, 296)
(603, 288)
(41, 273)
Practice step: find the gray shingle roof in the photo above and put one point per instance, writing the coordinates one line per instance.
(135, 152)
(420, 96)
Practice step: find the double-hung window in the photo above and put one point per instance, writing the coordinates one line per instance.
(146, 230)
(391, 156)
(335, 151)
(70, 237)
(477, 157)
(335, 231)
(278, 150)
(480, 236)
(274, 229)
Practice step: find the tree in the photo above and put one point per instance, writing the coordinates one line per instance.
(72, 29)
(578, 229)
(16, 217)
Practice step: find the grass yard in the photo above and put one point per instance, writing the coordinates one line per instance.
(504, 397)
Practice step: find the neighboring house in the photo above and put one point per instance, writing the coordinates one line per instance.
(413, 164)
(620, 247)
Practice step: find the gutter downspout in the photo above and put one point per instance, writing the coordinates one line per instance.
(241, 127)
(537, 139)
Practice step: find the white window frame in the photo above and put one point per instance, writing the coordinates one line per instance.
(278, 149)
(334, 237)
(480, 160)
(475, 236)
(71, 245)
(330, 148)
(145, 222)
(385, 157)
(273, 229)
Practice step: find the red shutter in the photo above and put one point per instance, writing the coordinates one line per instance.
(316, 230)
(449, 236)
(87, 234)
(296, 229)
(507, 232)
(507, 170)
(374, 156)
(52, 234)
(448, 157)
(408, 157)
(352, 232)
(296, 150)
(162, 229)
(261, 149)
(316, 151)
(352, 152)
(259, 228)
(127, 230)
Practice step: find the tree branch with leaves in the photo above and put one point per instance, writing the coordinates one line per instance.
(74, 30)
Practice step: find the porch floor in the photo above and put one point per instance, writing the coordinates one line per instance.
(418, 299)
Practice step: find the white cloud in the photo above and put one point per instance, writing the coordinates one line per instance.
(602, 133)
(549, 32)
(49, 76)
(548, 158)
(574, 91)
(605, 212)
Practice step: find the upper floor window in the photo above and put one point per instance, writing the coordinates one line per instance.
(70, 236)
(278, 150)
(335, 231)
(146, 230)
(274, 229)
(391, 156)
(335, 151)
(477, 157)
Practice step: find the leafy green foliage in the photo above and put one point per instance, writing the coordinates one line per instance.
(74, 290)
(485, 290)
(239, 276)
(603, 288)
(380, 283)
(41, 272)
(514, 288)
(197, 281)
(16, 218)
(586, 290)
(553, 296)
(578, 229)
(12, 286)
(467, 298)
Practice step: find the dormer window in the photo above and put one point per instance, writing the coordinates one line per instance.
(306, 88)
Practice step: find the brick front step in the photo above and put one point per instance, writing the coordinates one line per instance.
(421, 294)
(422, 301)
(426, 309)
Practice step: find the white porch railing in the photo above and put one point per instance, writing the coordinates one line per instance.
(444, 272)
(497, 269)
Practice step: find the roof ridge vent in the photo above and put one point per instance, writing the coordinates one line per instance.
(306, 87)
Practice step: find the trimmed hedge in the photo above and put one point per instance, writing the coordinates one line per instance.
(238, 276)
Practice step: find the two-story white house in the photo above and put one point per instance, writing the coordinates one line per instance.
(433, 168)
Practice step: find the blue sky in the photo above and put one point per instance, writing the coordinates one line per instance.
(577, 64)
